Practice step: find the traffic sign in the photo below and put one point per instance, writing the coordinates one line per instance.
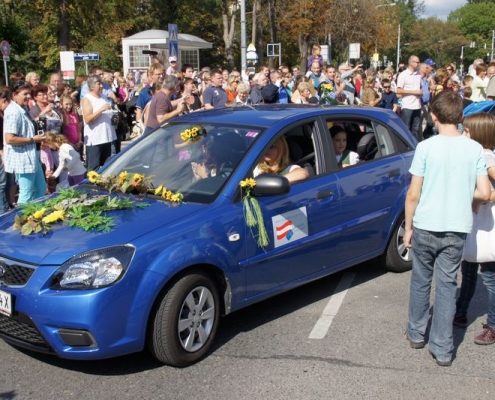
(86, 56)
(5, 48)
(173, 41)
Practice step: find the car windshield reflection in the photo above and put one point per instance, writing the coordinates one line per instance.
(196, 160)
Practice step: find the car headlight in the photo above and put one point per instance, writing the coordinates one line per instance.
(94, 269)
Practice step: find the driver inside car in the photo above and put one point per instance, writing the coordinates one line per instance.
(276, 161)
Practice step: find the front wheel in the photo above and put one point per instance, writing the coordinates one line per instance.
(185, 322)
(398, 257)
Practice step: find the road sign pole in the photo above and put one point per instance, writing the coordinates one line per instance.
(6, 73)
(87, 71)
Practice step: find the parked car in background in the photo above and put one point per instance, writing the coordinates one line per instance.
(164, 271)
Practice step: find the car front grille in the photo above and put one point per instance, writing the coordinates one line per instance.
(14, 274)
(21, 331)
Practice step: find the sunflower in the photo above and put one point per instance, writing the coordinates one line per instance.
(54, 216)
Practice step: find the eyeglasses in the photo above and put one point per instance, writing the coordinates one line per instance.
(386, 87)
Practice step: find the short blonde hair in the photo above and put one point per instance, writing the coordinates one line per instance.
(303, 86)
(243, 87)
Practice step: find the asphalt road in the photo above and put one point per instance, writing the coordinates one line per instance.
(265, 352)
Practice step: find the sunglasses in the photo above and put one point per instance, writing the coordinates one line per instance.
(20, 85)
(386, 87)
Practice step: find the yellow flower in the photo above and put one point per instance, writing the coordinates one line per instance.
(54, 216)
(138, 178)
(248, 183)
(122, 177)
(94, 177)
(177, 198)
(38, 214)
(158, 190)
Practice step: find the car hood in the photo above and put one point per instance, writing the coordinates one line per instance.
(62, 242)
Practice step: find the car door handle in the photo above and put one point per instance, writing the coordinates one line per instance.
(393, 173)
(324, 194)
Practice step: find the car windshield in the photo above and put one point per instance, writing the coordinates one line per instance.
(196, 160)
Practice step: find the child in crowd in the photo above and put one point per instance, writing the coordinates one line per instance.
(71, 127)
(68, 159)
(467, 97)
(46, 159)
(315, 56)
(466, 83)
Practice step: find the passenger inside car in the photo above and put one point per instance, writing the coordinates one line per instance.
(344, 156)
(276, 161)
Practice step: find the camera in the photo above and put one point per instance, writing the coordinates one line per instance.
(41, 125)
(150, 52)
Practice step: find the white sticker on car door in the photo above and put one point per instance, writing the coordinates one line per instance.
(290, 226)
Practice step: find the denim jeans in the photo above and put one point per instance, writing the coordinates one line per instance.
(4, 204)
(488, 276)
(33, 185)
(412, 119)
(439, 252)
(468, 287)
(97, 155)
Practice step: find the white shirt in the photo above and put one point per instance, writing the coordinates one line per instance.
(69, 158)
(99, 131)
(408, 80)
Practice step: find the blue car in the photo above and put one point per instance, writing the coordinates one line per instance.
(163, 268)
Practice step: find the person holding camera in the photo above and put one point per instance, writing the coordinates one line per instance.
(22, 145)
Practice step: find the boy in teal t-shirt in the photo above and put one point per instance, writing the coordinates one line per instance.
(448, 173)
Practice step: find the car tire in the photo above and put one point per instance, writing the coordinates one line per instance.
(185, 322)
(397, 257)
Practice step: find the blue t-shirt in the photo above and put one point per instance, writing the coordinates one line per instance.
(215, 96)
(388, 100)
(449, 167)
(144, 97)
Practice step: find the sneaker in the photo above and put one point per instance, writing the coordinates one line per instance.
(487, 336)
(441, 363)
(460, 321)
(415, 345)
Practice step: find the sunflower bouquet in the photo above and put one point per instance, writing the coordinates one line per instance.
(193, 134)
(252, 212)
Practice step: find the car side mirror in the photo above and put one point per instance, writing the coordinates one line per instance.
(271, 185)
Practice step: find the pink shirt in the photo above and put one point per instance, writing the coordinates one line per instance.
(70, 129)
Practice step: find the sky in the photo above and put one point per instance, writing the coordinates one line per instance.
(441, 8)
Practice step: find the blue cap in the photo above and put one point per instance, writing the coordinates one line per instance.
(429, 62)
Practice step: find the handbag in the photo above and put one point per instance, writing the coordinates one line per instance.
(480, 243)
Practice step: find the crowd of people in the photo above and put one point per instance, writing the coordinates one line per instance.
(53, 133)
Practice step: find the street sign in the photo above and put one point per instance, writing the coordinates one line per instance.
(86, 56)
(5, 48)
(354, 51)
(173, 41)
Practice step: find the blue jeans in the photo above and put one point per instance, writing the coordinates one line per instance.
(97, 155)
(33, 185)
(440, 252)
(468, 287)
(4, 204)
(488, 276)
(412, 119)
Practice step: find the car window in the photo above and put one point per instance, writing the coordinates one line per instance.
(300, 142)
(366, 140)
(195, 160)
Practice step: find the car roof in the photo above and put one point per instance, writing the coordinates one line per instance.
(270, 114)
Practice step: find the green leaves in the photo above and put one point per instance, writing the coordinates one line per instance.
(78, 209)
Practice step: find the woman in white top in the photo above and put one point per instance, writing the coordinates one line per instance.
(69, 158)
(98, 130)
(344, 157)
(276, 161)
(479, 84)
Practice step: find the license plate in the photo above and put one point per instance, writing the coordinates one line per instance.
(5, 303)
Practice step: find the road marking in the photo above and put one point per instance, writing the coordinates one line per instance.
(323, 324)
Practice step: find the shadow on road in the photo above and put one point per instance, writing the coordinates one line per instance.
(232, 325)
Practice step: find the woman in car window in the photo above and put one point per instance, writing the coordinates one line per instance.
(344, 157)
(276, 161)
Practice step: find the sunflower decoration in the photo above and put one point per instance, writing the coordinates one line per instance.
(252, 212)
(193, 134)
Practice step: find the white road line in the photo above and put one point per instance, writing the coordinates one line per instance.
(323, 324)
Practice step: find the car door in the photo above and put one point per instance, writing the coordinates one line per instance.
(371, 190)
(303, 227)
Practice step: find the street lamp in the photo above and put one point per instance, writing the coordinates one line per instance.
(470, 45)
